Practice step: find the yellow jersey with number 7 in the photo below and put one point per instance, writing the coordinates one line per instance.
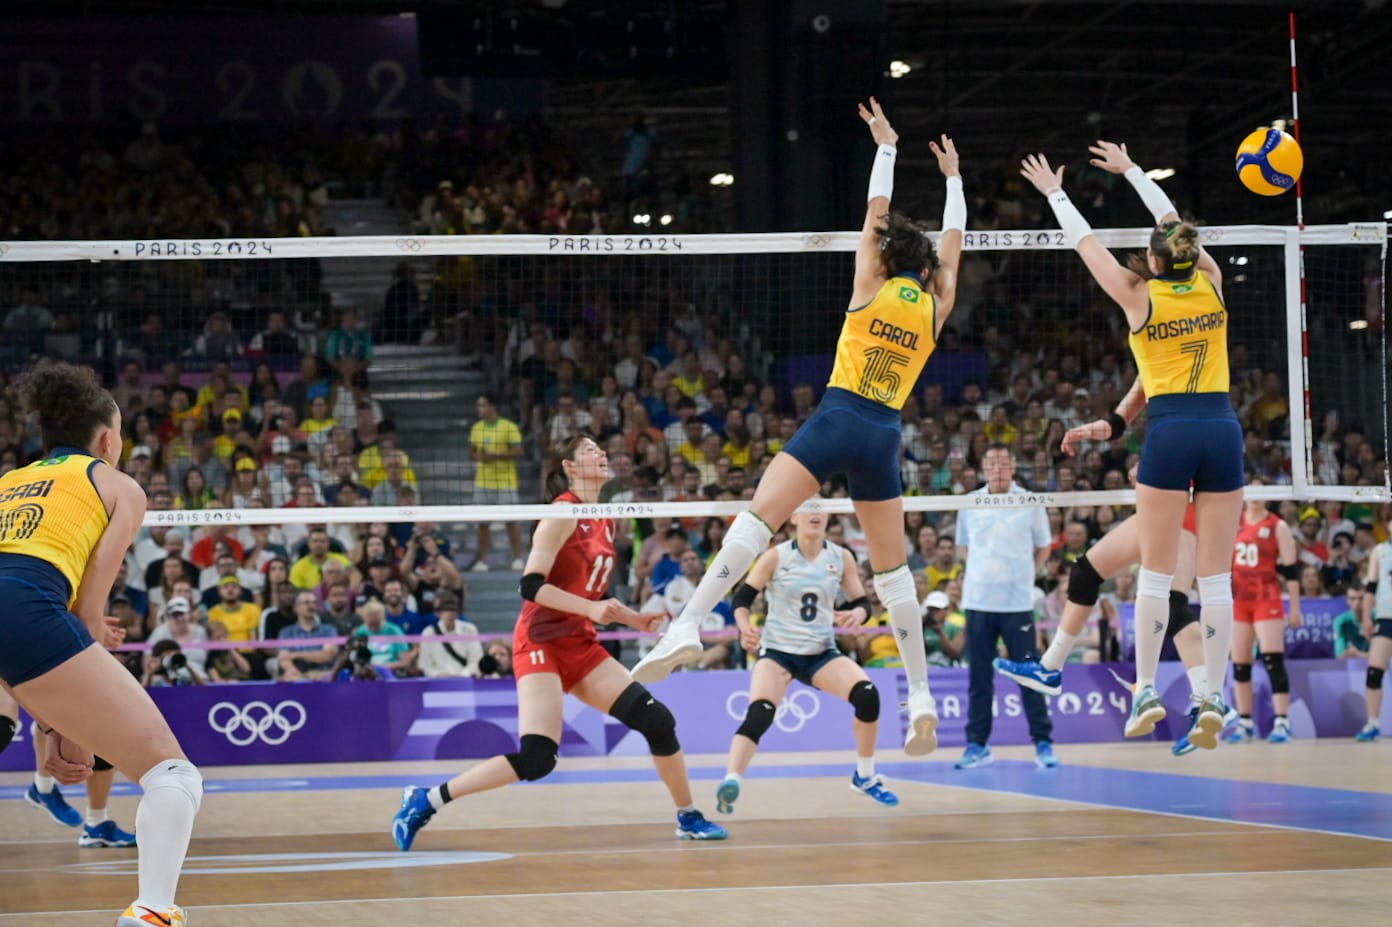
(1183, 345)
(885, 343)
(50, 511)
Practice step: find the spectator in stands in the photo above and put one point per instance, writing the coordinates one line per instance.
(348, 340)
(306, 662)
(165, 570)
(218, 341)
(397, 658)
(1349, 640)
(1312, 550)
(338, 608)
(279, 614)
(311, 383)
(496, 443)
(401, 319)
(497, 661)
(397, 478)
(307, 572)
(217, 539)
(226, 665)
(177, 624)
(944, 565)
(195, 493)
(436, 575)
(446, 659)
(399, 610)
(275, 340)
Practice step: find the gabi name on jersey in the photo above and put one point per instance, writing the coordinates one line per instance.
(1177, 328)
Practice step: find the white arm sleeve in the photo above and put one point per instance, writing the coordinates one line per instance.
(1154, 198)
(1069, 219)
(882, 173)
(955, 209)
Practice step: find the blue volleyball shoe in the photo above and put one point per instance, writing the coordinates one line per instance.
(975, 755)
(874, 787)
(1183, 747)
(105, 834)
(414, 814)
(1031, 674)
(53, 803)
(692, 825)
(726, 795)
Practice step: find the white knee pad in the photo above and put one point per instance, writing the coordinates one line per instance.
(1215, 590)
(1152, 585)
(896, 587)
(180, 775)
(749, 532)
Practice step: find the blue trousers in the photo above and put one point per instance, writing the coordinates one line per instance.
(1017, 630)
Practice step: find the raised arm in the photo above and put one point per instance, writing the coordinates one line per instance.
(954, 223)
(1114, 159)
(869, 269)
(1122, 285)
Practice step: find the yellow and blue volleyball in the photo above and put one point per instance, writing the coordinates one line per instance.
(1269, 162)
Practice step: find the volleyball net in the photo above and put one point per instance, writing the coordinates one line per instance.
(544, 323)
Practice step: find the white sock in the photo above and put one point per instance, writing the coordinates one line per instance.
(435, 797)
(1198, 680)
(96, 816)
(747, 538)
(1216, 621)
(865, 766)
(732, 775)
(1152, 617)
(686, 809)
(44, 784)
(1059, 649)
(896, 591)
(164, 821)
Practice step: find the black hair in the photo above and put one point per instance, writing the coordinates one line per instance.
(70, 403)
(905, 246)
(553, 475)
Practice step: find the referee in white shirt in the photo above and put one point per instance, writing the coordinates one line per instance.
(1004, 548)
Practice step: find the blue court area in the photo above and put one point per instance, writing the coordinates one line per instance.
(1331, 811)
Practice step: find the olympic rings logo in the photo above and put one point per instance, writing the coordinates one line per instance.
(816, 241)
(257, 720)
(409, 244)
(797, 709)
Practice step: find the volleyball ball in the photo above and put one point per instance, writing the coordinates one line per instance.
(1269, 162)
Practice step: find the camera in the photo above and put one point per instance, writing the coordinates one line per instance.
(176, 667)
(488, 665)
(360, 655)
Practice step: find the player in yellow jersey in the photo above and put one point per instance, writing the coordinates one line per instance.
(902, 294)
(1173, 300)
(66, 522)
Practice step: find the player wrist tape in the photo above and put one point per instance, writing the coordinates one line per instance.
(862, 602)
(1074, 226)
(882, 173)
(955, 209)
(1154, 198)
(1118, 426)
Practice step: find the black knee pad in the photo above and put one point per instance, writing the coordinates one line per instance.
(1180, 614)
(865, 699)
(7, 731)
(758, 719)
(636, 708)
(1242, 672)
(100, 765)
(1375, 678)
(1275, 664)
(1084, 583)
(536, 759)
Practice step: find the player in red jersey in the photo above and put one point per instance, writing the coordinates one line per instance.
(557, 651)
(1263, 555)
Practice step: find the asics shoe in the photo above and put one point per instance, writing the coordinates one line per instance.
(1209, 723)
(1031, 674)
(874, 787)
(105, 834)
(974, 756)
(1183, 747)
(138, 915)
(1280, 732)
(1044, 756)
(922, 738)
(414, 814)
(681, 645)
(1146, 712)
(725, 796)
(53, 803)
(692, 825)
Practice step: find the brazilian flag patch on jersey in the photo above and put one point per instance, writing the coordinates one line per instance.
(908, 294)
(1182, 287)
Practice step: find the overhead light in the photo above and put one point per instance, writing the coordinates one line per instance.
(1160, 173)
(642, 218)
(1358, 325)
(722, 180)
(1240, 261)
(666, 218)
(1388, 214)
(899, 68)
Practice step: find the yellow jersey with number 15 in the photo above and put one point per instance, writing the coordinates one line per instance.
(1183, 345)
(885, 343)
(51, 511)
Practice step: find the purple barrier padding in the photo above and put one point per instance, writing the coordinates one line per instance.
(254, 723)
(1313, 640)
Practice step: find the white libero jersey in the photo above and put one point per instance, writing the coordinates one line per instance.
(1382, 604)
(801, 597)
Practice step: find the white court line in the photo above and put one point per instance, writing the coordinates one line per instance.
(820, 886)
(762, 847)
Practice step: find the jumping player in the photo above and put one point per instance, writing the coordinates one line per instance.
(902, 294)
(801, 579)
(556, 651)
(1265, 548)
(1173, 300)
(69, 519)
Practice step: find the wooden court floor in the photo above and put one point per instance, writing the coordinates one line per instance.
(309, 845)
